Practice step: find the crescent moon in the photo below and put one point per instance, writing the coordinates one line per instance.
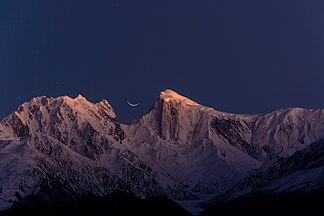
(132, 105)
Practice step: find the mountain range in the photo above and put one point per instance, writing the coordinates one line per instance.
(60, 150)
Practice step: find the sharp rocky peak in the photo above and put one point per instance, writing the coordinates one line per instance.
(44, 101)
(172, 116)
(169, 95)
(41, 113)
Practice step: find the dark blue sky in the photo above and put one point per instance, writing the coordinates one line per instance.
(237, 56)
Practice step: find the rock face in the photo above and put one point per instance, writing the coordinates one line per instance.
(59, 149)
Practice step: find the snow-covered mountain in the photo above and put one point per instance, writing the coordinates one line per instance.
(285, 131)
(303, 171)
(292, 184)
(200, 151)
(58, 149)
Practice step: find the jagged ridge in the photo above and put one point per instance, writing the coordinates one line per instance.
(180, 148)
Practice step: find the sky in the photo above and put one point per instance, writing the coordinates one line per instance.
(235, 56)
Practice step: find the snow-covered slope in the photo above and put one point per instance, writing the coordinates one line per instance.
(303, 171)
(58, 149)
(208, 151)
(198, 150)
(285, 131)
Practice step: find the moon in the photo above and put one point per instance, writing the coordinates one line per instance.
(133, 104)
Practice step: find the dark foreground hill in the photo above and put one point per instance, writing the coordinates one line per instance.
(117, 203)
(266, 204)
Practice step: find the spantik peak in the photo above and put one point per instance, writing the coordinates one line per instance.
(169, 95)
